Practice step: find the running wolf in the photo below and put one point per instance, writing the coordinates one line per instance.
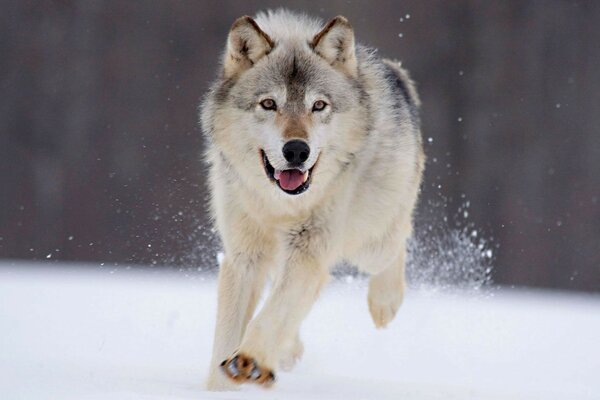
(315, 156)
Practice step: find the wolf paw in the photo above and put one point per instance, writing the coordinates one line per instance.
(241, 369)
(384, 301)
(291, 354)
(218, 382)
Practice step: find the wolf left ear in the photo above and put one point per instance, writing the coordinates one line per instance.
(335, 43)
(246, 44)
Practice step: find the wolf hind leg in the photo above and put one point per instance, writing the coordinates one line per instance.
(386, 290)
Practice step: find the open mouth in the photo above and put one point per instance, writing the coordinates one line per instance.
(292, 181)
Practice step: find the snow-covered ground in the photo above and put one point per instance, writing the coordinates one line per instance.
(86, 333)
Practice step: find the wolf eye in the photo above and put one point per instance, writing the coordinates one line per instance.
(268, 104)
(319, 105)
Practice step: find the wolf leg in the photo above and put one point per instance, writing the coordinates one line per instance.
(241, 282)
(294, 292)
(386, 291)
(291, 352)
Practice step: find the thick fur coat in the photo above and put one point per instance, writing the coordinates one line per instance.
(315, 156)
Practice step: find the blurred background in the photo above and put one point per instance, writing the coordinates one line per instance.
(101, 153)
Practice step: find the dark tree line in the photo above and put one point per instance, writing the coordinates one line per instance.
(100, 152)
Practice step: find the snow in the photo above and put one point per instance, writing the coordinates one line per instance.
(83, 333)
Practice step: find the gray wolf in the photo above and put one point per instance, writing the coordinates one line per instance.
(315, 156)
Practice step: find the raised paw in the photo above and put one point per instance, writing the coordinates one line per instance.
(382, 313)
(384, 298)
(241, 369)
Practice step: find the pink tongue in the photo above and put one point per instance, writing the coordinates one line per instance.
(290, 179)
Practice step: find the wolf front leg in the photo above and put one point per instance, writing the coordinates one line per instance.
(241, 281)
(293, 293)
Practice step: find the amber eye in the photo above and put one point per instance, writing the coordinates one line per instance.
(319, 105)
(268, 104)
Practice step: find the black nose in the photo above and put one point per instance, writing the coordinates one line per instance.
(296, 151)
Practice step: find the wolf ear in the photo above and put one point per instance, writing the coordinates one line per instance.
(335, 43)
(246, 44)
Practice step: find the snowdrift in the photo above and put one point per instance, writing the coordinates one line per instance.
(91, 333)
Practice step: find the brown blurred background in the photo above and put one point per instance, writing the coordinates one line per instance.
(100, 150)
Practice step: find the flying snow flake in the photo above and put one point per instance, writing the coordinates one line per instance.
(400, 35)
(430, 139)
(557, 105)
(459, 119)
(407, 16)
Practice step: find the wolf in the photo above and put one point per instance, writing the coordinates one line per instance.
(315, 156)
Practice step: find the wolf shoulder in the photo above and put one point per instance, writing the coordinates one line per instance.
(399, 79)
(395, 81)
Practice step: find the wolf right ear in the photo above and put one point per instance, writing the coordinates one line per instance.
(335, 43)
(246, 44)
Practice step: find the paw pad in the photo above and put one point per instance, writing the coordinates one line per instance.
(242, 369)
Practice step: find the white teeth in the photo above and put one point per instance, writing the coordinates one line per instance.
(305, 177)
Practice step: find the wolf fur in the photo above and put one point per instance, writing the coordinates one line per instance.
(367, 162)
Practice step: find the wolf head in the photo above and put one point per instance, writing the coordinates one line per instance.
(286, 113)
